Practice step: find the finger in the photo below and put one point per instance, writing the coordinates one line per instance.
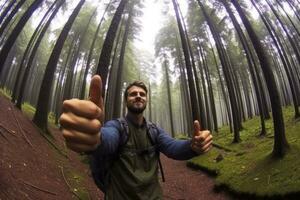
(73, 122)
(72, 136)
(81, 108)
(206, 140)
(204, 134)
(96, 91)
(197, 128)
(206, 147)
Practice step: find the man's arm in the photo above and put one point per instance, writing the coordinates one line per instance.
(185, 149)
(110, 139)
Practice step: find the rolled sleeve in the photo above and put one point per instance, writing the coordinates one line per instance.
(109, 139)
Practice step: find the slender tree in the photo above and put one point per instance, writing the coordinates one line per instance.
(191, 83)
(6, 10)
(280, 141)
(91, 50)
(16, 31)
(11, 15)
(30, 61)
(41, 115)
(119, 77)
(29, 47)
(165, 63)
(105, 55)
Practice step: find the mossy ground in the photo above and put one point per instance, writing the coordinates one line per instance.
(249, 168)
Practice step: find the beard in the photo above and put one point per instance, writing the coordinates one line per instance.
(136, 110)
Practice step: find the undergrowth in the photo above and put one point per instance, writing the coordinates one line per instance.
(249, 167)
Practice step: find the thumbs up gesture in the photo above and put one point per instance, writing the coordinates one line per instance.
(81, 120)
(202, 140)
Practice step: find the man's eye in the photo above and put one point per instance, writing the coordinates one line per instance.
(142, 94)
(133, 94)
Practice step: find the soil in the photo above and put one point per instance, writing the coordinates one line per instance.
(31, 168)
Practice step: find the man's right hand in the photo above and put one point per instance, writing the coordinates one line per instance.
(81, 120)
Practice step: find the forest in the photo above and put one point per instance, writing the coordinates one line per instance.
(231, 64)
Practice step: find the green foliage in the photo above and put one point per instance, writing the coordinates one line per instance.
(181, 136)
(248, 167)
(29, 110)
(5, 92)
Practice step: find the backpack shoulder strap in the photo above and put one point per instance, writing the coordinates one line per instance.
(123, 131)
(153, 132)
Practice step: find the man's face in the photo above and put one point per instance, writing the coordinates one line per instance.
(136, 100)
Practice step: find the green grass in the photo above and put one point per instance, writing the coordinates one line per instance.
(5, 92)
(249, 167)
(75, 182)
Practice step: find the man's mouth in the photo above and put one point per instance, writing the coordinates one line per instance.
(138, 102)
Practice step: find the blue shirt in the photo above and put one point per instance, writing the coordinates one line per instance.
(110, 140)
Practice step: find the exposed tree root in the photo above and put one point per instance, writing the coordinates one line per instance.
(40, 189)
(21, 130)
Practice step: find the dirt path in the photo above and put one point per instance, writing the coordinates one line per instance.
(31, 169)
(183, 183)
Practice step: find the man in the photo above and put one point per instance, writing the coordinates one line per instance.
(133, 175)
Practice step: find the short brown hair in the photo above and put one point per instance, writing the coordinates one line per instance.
(135, 83)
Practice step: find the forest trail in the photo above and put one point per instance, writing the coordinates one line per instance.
(184, 183)
(30, 168)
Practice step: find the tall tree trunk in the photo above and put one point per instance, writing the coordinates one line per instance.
(41, 115)
(169, 96)
(80, 39)
(191, 83)
(105, 55)
(28, 49)
(284, 58)
(202, 112)
(88, 63)
(296, 13)
(227, 104)
(228, 76)
(32, 56)
(185, 92)
(16, 31)
(251, 64)
(210, 90)
(280, 141)
(10, 16)
(111, 87)
(119, 79)
(289, 18)
(290, 38)
(6, 10)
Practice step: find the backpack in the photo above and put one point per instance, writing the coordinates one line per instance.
(100, 166)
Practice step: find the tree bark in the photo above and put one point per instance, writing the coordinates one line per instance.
(6, 10)
(16, 31)
(41, 115)
(32, 56)
(88, 63)
(105, 55)
(191, 83)
(280, 142)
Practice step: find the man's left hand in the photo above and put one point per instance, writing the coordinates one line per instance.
(202, 140)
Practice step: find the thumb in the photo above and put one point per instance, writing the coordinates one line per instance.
(95, 94)
(197, 128)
